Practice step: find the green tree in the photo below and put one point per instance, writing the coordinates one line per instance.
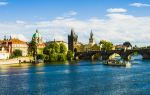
(61, 57)
(33, 49)
(95, 47)
(63, 48)
(55, 52)
(54, 47)
(53, 57)
(70, 55)
(46, 50)
(40, 56)
(16, 53)
(106, 45)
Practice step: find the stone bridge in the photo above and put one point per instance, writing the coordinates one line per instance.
(105, 55)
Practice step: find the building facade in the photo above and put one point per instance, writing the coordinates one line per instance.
(10, 45)
(74, 45)
(38, 39)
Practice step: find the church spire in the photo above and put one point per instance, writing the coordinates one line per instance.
(91, 39)
(10, 37)
(72, 31)
(36, 30)
(5, 38)
(91, 34)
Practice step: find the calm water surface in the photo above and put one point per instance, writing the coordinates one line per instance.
(84, 78)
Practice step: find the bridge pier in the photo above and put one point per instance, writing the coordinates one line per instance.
(125, 57)
(105, 57)
(146, 56)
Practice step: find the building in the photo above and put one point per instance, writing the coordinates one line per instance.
(11, 45)
(38, 39)
(91, 45)
(4, 54)
(125, 46)
(91, 39)
(74, 45)
(72, 40)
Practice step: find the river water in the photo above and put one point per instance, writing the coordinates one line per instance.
(84, 78)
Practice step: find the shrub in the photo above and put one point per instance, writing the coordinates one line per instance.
(70, 55)
(16, 53)
(62, 57)
(40, 56)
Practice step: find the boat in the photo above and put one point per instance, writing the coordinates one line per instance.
(39, 61)
(117, 63)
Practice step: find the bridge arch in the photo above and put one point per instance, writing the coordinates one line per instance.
(115, 56)
(96, 56)
(134, 54)
(75, 50)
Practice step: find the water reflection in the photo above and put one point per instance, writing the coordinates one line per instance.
(82, 78)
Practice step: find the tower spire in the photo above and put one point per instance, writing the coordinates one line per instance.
(91, 39)
(36, 30)
(10, 37)
(72, 31)
(5, 38)
(91, 34)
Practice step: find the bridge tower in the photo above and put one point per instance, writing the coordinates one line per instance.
(72, 40)
(91, 39)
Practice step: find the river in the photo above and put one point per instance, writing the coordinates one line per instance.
(84, 78)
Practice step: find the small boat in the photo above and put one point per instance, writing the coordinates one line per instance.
(37, 61)
(117, 63)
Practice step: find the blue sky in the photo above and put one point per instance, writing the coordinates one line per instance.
(33, 10)
(114, 20)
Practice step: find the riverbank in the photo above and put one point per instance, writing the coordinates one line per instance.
(16, 60)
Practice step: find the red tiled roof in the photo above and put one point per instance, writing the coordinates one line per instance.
(16, 41)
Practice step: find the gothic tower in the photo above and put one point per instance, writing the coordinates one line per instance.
(72, 40)
(91, 39)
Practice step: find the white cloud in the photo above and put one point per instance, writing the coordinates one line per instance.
(72, 13)
(69, 14)
(116, 10)
(20, 22)
(140, 5)
(116, 28)
(3, 3)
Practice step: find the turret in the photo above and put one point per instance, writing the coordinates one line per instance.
(72, 31)
(5, 38)
(10, 38)
(72, 40)
(91, 39)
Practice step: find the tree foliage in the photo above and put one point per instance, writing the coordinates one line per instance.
(55, 52)
(63, 48)
(54, 47)
(106, 45)
(70, 55)
(33, 49)
(40, 56)
(16, 53)
(95, 47)
(62, 57)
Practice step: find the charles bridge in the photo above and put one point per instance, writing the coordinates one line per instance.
(105, 55)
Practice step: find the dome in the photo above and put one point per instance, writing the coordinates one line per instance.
(127, 44)
(37, 35)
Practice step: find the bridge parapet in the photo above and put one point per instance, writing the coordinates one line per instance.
(124, 54)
